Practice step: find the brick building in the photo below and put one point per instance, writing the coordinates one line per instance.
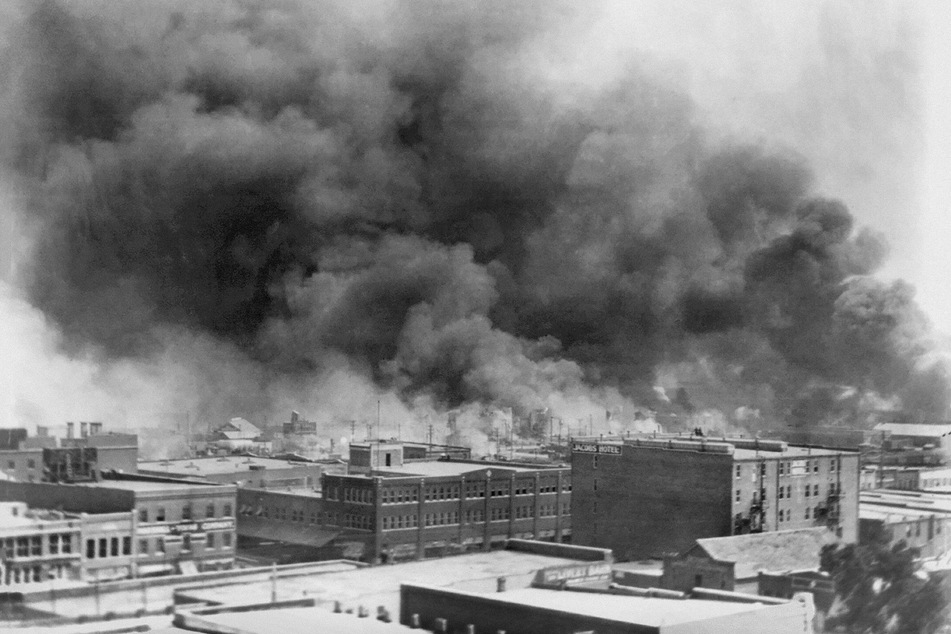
(147, 527)
(412, 510)
(44, 458)
(647, 497)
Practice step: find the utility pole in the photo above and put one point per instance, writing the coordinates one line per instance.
(378, 428)
(430, 434)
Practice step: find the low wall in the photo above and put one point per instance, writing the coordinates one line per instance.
(554, 549)
(152, 594)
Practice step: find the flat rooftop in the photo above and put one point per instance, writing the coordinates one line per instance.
(218, 465)
(895, 514)
(930, 502)
(649, 611)
(793, 452)
(380, 585)
(146, 485)
(436, 468)
(302, 621)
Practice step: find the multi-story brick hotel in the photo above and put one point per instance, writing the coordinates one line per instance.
(648, 496)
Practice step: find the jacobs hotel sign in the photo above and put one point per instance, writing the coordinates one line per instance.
(586, 447)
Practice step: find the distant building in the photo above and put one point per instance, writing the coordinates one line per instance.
(252, 471)
(832, 437)
(239, 435)
(391, 507)
(920, 519)
(299, 426)
(931, 436)
(177, 526)
(43, 458)
(735, 563)
(651, 496)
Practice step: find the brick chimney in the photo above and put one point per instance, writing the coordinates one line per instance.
(70, 430)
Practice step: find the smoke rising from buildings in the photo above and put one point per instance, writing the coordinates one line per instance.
(238, 207)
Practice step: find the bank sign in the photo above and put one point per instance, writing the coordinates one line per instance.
(582, 447)
(572, 574)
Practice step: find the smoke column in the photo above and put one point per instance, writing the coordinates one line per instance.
(239, 207)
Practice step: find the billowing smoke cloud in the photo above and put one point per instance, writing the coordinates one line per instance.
(426, 203)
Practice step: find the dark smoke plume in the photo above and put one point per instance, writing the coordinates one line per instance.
(398, 191)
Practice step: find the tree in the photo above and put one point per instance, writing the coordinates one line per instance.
(881, 587)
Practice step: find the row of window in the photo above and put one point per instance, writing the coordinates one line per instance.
(473, 490)
(785, 492)
(352, 520)
(187, 513)
(296, 515)
(153, 546)
(471, 516)
(787, 468)
(57, 543)
(33, 574)
(400, 521)
(107, 547)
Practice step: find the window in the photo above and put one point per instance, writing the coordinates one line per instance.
(815, 466)
(186, 512)
(143, 515)
(807, 512)
(210, 510)
(762, 468)
(807, 490)
(66, 543)
(54, 544)
(595, 484)
(187, 541)
(227, 511)
(160, 545)
(739, 471)
(103, 547)
(31, 463)
(594, 461)
(160, 514)
(781, 492)
(11, 464)
(211, 540)
(738, 495)
(115, 547)
(782, 468)
(226, 540)
(815, 491)
(143, 546)
(126, 545)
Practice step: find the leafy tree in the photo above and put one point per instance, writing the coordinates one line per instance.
(881, 587)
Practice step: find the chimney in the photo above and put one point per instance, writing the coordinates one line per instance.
(95, 428)
(294, 418)
(70, 430)
(82, 430)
